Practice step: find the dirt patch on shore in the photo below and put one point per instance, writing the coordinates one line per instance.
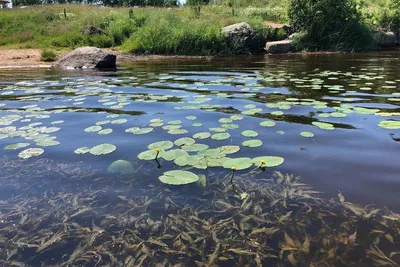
(20, 57)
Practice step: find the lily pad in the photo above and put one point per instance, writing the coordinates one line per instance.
(390, 124)
(102, 149)
(252, 143)
(82, 150)
(148, 155)
(137, 130)
(323, 125)
(195, 147)
(238, 163)
(268, 123)
(120, 167)
(192, 118)
(270, 161)
(202, 135)
(105, 131)
(197, 124)
(16, 146)
(93, 129)
(307, 134)
(164, 145)
(277, 113)
(220, 136)
(173, 154)
(178, 177)
(249, 133)
(229, 149)
(177, 131)
(30, 152)
(176, 122)
(119, 121)
(184, 141)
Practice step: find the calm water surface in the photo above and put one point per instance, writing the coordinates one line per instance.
(353, 93)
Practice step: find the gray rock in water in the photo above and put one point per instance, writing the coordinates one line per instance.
(386, 39)
(240, 36)
(87, 58)
(91, 30)
(279, 46)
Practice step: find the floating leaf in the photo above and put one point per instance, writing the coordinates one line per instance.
(277, 113)
(307, 134)
(202, 180)
(236, 117)
(120, 121)
(175, 122)
(102, 122)
(105, 131)
(195, 147)
(218, 129)
(202, 135)
(229, 149)
(102, 149)
(93, 129)
(184, 141)
(120, 167)
(177, 131)
(82, 150)
(164, 145)
(280, 132)
(137, 130)
(30, 152)
(172, 154)
(249, 133)
(390, 124)
(270, 161)
(220, 136)
(192, 118)
(268, 123)
(252, 143)
(323, 125)
(225, 120)
(178, 177)
(46, 143)
(238, 163)
(148, 155)
(16, 146)
(197, 124)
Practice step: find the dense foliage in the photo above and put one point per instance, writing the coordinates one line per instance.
(390, 18)
(330, 24)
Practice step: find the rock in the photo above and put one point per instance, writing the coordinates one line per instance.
(87, 58)
(91, 30)
(386, 39)
(279, 46)
(287, 29)
(293, 36)
(239, 36)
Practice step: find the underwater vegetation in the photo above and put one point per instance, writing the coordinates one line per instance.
(280, 222)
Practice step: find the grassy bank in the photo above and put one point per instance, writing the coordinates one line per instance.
(147, 31)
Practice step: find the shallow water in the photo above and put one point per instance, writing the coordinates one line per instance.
(354, 93)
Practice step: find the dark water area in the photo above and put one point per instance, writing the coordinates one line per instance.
(333, 120)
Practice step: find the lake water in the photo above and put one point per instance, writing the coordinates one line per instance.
(333, 120)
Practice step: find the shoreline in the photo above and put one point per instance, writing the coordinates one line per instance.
(30, 58)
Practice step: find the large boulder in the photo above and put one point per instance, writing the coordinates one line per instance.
(87, 58)
(386, 39)
(279, 46)
(240, 36)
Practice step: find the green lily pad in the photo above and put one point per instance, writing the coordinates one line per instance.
(82, 150)
(46, 143)
(176, 122)
(16, 146)
(102, 149)
(148, 155)
(195, 147)
(164, 145)
(230, 126)
(238, 163)
(277, 113)
(220, 136)
(249, 133)
(120, 167)
(184, 141)
(307, 134)
(171, 127)
(93, 129)
(197, 124)
(270, 161)
(177, 131)
(202, 180)
(236, 117)
(185, 160)
(173, 154)
(178, 177)
(30, 152)
(102, 122)
(105, 131)
(202, 135)
(390, 124)
(218, 129)
(192, 118)
(225, 120)
(137, 130)
(252, 143)
(323, 125)
(120, 121)
(229, 149)
(268, 123)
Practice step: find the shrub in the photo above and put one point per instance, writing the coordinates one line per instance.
(390, 16)
(330, 24)
(48, 56)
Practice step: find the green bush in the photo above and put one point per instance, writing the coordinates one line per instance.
(48, 56)
(330, 25)
(390, 17)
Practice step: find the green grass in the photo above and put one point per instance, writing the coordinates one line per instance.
(149, 31)
(48, 56)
